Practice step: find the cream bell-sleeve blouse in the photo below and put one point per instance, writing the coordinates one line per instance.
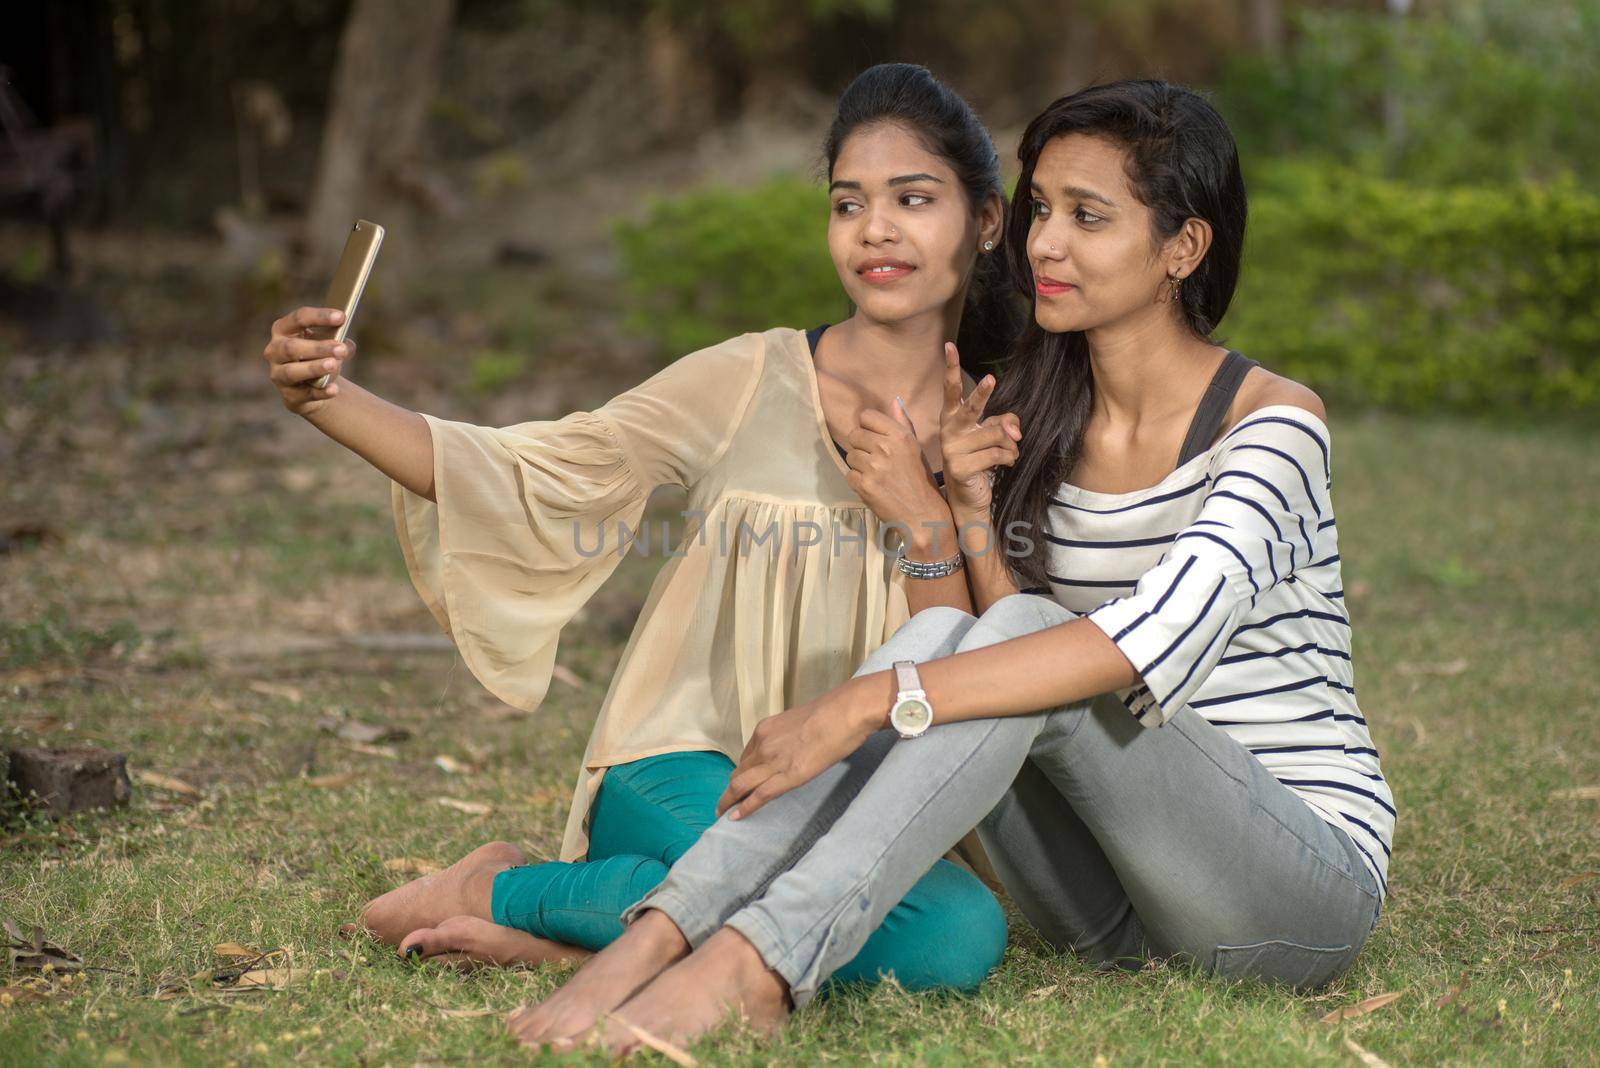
(777, 589)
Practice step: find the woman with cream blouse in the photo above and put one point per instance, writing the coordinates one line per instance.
(803, 525)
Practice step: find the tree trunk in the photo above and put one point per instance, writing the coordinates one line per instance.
(60, 782)
(388, 69)
(1264, 27)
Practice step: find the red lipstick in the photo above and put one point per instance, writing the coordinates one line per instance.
(883, 269)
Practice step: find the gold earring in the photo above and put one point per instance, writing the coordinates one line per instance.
(1175, 291)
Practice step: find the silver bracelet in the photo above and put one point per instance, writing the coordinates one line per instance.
(931, 570)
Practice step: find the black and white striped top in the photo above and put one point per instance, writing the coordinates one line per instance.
(1225, 594)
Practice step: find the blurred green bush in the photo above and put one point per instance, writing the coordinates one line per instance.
(1476, 91)
(716, 262)
(1408, 296)
(1367, 289)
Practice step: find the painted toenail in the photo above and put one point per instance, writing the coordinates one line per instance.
(414, 950)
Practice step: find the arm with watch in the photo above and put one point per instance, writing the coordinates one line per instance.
(1048, 668)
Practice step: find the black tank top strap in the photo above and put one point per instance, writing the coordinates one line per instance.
(1213, 408)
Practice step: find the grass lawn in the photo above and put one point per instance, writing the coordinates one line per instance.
(211, 581)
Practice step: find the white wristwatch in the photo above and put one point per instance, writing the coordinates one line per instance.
(911, 715)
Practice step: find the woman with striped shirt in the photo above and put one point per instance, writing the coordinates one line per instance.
(1165, 749)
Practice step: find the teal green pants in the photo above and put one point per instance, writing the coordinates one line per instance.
(947, 932)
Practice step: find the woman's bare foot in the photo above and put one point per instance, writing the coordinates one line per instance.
(466, 942)
(649, 946)
(462, 889)
(725, 976)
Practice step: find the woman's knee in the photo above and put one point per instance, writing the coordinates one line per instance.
(930, 634)
(657, 806)
(1012, 617)
(941, 617)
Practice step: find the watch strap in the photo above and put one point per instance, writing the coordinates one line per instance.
(906, 678)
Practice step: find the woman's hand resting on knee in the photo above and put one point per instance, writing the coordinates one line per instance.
(794, 747)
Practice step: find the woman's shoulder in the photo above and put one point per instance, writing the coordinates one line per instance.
(716, 368)
(1277, 416)
(739, 349)
(1262, 389)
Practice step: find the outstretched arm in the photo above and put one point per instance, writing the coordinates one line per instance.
(393, 439)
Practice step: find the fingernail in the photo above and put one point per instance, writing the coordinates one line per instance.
(733, 814)
(337, 316)
(329, 363)
(339, 350)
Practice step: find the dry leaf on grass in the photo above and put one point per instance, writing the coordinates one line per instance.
(1581, 877)
(1577, 793)
(249, 970)
(1043, 992)
(384, 751)
(675, 1054)
(272, 970)
(275, 689)
(412, 866)
(451, 766)
(352, 730)
(30, 952)
(372, 733)
(1450, 995)
(157, 781)
(1360, 1008)
(234, 949)
(1366, 1057)
(568, 676)
(265, 979)
(471, 808)
(329, 782)
(466, 1014)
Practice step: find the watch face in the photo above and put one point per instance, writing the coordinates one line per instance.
(911, 716)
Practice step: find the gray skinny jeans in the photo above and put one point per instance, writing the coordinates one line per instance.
(1117, 842)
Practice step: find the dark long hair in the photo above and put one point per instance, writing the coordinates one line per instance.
(1182, 163)
(910, 96)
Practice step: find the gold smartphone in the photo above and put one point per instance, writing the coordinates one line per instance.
(344, 292)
